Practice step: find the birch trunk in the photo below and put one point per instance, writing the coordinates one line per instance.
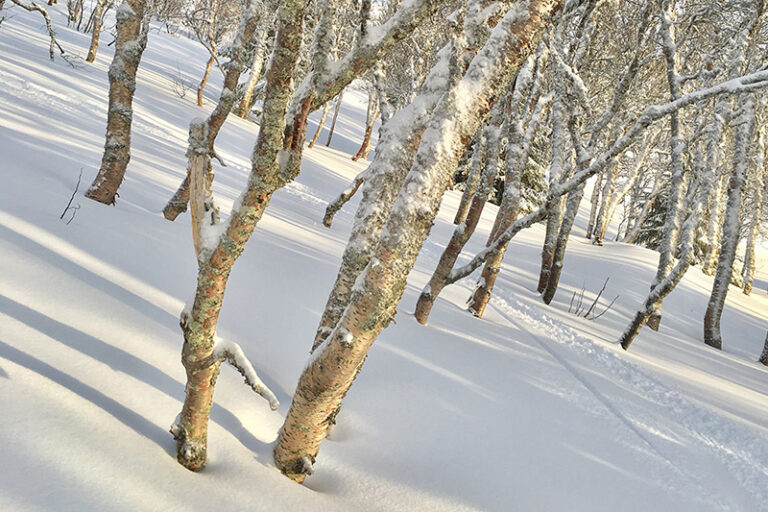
(725, 262)
(326, 110)
(129, 47)
(714, 224)
(395, 152)
(748, 83)
(333, 120)
(664, 287)
(204, 81)
(257, 64)
(557, 173)
(330, 373)
(370, 119)
(569, 216)
(759, 183)
(595, 203)
(473, 177)
(518, 150)
(215, 263)
(234, 68)
(464, 231)
(678, 180)
(98, 14)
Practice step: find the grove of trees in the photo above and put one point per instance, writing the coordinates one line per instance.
(660, 103)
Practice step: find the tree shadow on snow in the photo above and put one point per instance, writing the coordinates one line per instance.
(120, 361)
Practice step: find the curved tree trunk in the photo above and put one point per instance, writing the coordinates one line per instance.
(725, 262)
(129, 47)
(204, 81)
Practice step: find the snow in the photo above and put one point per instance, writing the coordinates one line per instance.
(530, 408)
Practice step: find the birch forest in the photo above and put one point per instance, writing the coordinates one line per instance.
(472, 255)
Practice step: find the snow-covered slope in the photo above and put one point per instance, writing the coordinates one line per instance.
(530, 408)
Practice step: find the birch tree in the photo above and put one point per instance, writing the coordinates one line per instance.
(399, 140)
(132, 30)
(201, 354)
(456, 118)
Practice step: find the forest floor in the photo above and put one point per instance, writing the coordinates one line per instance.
(529, 409)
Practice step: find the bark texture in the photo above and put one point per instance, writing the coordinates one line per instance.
(336, 363)
(394, 155)
(98, 14)
(725, 262)
(129, 47)
(234, 68)
(216, 261)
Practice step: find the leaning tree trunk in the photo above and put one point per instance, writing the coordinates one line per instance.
(335, 116)
(677, 146)
(234, 68)
(215, 262)
(464, 231)
(328, 377)
(204, 80)
(557, 171)
(98, 13)
(725, 262)
(518, 150)
(663, 288)
(370, 120)
(394, 155)
(129, 46)
(473, 177)
(569, 216)
(320, 124)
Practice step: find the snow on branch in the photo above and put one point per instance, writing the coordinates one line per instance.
(231, 352)
(372, 46)
(747, 83)
(32, 7)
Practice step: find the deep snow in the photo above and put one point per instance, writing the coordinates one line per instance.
(530, 408)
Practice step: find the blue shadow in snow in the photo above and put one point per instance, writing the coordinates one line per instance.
(118, 360)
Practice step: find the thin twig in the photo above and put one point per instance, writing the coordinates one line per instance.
(69, 204)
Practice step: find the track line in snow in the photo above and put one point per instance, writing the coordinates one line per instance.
(609, 406)
(743, 452)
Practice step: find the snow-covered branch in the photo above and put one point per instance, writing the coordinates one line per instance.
(231, 352)
(747, 83)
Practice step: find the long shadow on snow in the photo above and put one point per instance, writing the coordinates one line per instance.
(118, 360)
(125, 415)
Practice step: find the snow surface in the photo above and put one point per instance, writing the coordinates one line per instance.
(528, 409)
